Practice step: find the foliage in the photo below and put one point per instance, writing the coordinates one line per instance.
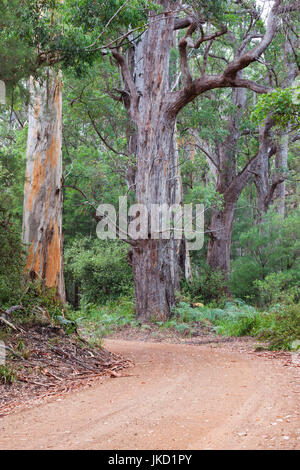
(269, 247)
(99, 321)
(11, 250)
(7, 374)
(283, 106)
(39, 302)
(208, 287)
(281, 326)
(100, 268)
(12, 264)
(281, 287)
(238, 319)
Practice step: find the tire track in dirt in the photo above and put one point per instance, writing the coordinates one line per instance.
(175, 397)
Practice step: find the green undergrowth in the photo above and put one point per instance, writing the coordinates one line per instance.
(38, 307)
(279, 326)
(103, 320)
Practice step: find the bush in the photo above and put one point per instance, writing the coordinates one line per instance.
(12, 263)
(208, 287)
(279, 287)
(7, 375)
(100, 268)
(269, 247)
(238, 319)
(280, 326)
(244, 272)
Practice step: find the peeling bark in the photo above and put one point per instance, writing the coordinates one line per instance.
(42, 215)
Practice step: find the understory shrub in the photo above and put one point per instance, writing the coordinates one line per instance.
(208, 287)
(100, 269)
(12, 263)
(104, 319)
(280, 326)
(272, 246)
(281, 287)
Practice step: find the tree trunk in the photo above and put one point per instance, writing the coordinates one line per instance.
(261, 175)
(153, 109)
(155, 262)
(230, 186)
(281, 166)
(42, 216)
(219, 245)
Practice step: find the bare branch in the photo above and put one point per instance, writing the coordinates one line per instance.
(219, 57)
(108, 23)
(200, 146)
(102, 138)
(184, 65)
(183, 23)
(242, 61)
(205, 57)
(128, 80)
(244, 83)
(210, 37)
(186, 41)
(229, 78)
(99, 217)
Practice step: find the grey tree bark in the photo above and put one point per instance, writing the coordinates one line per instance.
(153, 109)
(281, 166)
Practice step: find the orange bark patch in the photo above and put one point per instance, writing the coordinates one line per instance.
(29, 258)
(53, 151)
(27, 183)
(37, 261)
(34, 259)
(38, 178)
(47, 201)
(53, 258)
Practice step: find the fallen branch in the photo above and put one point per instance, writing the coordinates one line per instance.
(8, 323)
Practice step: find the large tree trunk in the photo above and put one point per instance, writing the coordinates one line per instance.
(155, 262)
(153, 109)
(42, 217)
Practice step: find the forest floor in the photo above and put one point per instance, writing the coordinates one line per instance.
(205, 395)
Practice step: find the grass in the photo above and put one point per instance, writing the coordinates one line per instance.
(7, 374)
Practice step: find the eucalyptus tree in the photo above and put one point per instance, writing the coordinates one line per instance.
(153, 108)
(50, 40)
(236, 151)
(278, 118)
(87, 32)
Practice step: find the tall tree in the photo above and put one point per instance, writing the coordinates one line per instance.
(276, 130)
(153, 109)
(42, 218)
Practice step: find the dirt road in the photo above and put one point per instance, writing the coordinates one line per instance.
(175, 397)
